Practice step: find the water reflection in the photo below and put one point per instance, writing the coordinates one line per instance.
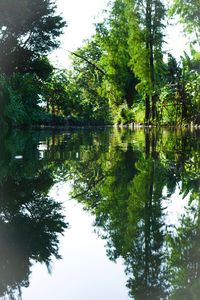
(125, 189)
(30, 220)
(126, 180)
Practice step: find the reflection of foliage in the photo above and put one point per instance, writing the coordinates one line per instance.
(32, 234)
(124, 178)
(184, 263)
(30, 221)
(127, 207)
(124, 189)
(145, 258)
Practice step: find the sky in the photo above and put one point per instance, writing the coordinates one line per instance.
(81, 15)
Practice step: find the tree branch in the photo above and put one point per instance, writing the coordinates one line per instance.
(89, 62)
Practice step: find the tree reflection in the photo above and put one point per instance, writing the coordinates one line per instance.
(30, 221)
(146, 257)
(125, 179)
(127, 191)
(127, 206)
(184, 262)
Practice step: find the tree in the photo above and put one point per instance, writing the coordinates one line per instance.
(102, 74)
(189, 14)
(28, 29)
(113, 39)
(145, 46)
(55, 93)
(91, 106)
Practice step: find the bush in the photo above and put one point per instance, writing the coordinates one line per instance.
(139, 113)
(12, 108)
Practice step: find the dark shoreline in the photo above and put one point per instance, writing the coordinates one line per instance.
(120, 126)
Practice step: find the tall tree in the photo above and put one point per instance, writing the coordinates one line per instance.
(113, 38)
(145, 46)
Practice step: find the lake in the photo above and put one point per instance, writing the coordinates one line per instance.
(100, 214)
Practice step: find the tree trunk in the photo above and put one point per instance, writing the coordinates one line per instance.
(147, 110)
(152, 72)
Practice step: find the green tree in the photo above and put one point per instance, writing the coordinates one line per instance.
(91, 106)
(113, 38)
(28, 29)
(189, 15)
(145, 46)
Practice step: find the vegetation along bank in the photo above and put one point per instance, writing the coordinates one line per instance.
(121, 75)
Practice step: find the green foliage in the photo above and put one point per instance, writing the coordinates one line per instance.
(42, 67)
(30, 222)
(12, 108)
(125, 179)
(119, 85)
(21, 96)
(54, 92)
(168, 111)
(90, 104)
(118, 76)
(108, 70)
(145, 41)
(137, 47)
(139, 113)
(103, 79)
(188, 12)
(193, 91)
(28, 30)
(179, 98)
(127, 187)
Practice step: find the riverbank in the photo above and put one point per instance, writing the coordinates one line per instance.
(128, 126)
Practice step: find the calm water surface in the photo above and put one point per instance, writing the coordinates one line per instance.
(100, 215)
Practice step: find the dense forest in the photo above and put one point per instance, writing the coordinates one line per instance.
(121, 75)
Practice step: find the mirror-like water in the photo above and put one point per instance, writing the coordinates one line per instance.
(72, 204)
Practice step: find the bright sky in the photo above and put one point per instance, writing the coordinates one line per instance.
(81, 15)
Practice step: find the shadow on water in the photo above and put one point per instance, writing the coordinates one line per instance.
(127, 180)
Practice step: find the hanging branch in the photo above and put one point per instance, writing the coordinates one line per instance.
(89, 62)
